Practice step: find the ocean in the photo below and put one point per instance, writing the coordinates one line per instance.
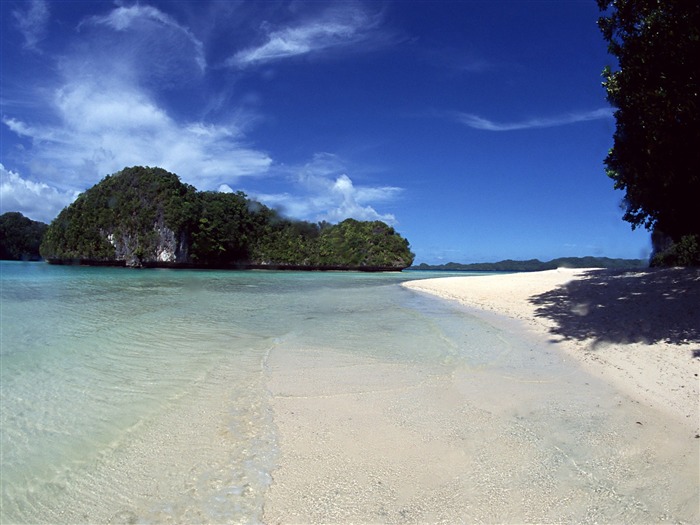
(141, 396)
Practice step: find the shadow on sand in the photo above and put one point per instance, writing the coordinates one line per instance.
(634, 306)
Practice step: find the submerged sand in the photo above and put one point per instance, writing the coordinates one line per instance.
(366, 440)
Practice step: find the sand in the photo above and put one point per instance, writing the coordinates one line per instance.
(639, 330)
(366, 440)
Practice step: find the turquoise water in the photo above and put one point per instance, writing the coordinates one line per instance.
(98, 364)
(140, 396)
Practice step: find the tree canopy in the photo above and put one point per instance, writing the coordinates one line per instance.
(147, 217)
(20, 237)
(655, 157)
(121, 214)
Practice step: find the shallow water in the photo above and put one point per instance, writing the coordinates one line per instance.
(141, 396)
(138, 395)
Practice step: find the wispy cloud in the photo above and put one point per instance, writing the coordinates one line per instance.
(36, 200)
(477, 122)
(32, 22)
(126, 18)
(337, 27)
(108, 108)
(322, 190)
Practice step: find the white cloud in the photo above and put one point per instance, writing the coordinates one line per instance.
(111, 107)
(322, 191)
(125, 18)
(476, 122)
(349, 202)
(338, 26)
(35, 200)
(103, 129)
(90, 109)
(32, 22)
(24, 130)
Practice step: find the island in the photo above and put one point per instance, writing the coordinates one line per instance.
(146, 217)
(535, 265)
(20, 237)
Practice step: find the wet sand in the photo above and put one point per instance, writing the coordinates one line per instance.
(366, 440)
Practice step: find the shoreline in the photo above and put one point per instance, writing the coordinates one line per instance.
(513, 430)
(630, 347)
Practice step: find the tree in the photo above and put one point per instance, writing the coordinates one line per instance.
(364, 244)
(224, 230)
(20, 237)
(655, 157)
(144, 216)
(123, 217)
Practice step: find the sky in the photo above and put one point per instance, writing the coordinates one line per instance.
(477, 129)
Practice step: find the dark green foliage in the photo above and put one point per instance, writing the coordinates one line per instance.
(655, 158)
(351, 243)
(225, 227)
(123, 213)
(294, 242)
(363, 244)
(138, 214)
(20, 237)
(535, 265)
(685, 252)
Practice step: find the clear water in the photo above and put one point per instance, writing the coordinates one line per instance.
(139, 396)
(99, 364)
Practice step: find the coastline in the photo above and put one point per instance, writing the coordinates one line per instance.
(234, 266)
(646, 345)
(512, 431)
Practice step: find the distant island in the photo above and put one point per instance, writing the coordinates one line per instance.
(20, 237)
(535, 265)
(146, 217)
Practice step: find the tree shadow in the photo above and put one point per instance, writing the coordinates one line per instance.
(626, 306)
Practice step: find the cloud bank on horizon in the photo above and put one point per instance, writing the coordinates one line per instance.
(328, 194)
(36, 200)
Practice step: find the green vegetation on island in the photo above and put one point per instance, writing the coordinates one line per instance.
(146, 216)
(655, 158)
(20, 237)
(535, 265)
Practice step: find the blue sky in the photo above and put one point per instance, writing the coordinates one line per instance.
(477, 128)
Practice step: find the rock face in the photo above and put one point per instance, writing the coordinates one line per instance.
(169, 248)
(133, 218)
(146, 217)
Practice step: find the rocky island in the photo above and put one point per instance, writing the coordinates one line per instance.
(146, 217)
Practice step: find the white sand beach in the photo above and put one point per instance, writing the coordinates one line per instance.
(367, 440)
(638, 330)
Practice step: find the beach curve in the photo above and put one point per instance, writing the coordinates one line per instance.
(638, 329)
(368, 440)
